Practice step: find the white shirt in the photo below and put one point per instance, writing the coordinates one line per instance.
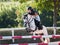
(37, 17)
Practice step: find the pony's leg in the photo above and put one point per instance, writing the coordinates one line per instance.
(31, 33)
(42, 40)
(40, 32)
(47, 40)
(45, 33)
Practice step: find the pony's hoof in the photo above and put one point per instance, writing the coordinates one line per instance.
(45, 41)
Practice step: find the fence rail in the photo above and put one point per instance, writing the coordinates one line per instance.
(21, 37)
(13, 29)
(9, 29)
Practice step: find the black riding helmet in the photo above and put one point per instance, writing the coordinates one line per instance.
(30, 8)
(32, 11)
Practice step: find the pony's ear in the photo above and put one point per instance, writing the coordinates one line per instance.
(24, 16)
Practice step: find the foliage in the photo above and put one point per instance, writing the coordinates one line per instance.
(49, 5)
(7, 16)
(11, 12)
(48, 17)
(8, 19)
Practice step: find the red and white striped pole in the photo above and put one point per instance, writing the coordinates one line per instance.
(20, 37)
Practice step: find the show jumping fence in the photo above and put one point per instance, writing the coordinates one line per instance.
(34, 36)
(21, 37)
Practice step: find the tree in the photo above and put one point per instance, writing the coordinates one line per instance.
(8, 18)
(48, 5)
